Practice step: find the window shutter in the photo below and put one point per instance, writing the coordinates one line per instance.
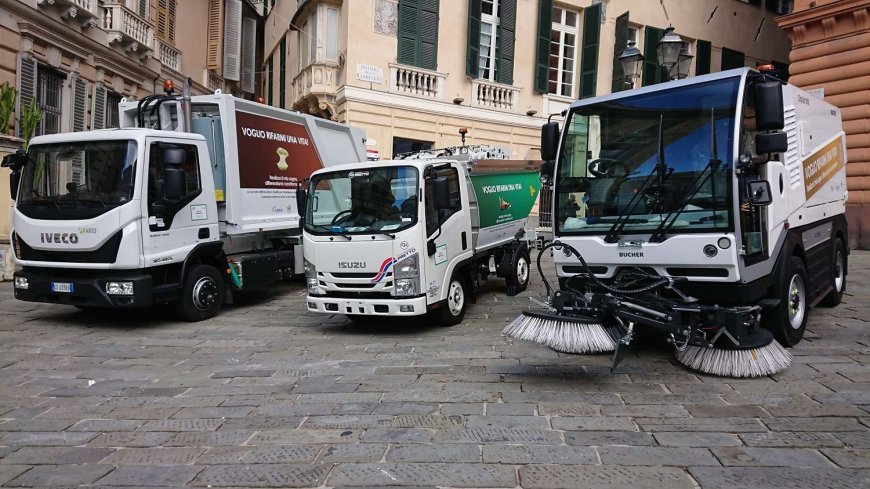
(26, 85)
(732, 59)
(506, 38)
(617, 83)
(78, 109)
(143, 8)
(170, 20)
(270, 81)
(249, 58)
(542, 56)
(215, 34)
(232, 39)
(652, 72)
(409, 26)
(98, 110)
(282, 80)
(589, 62)
(472, 54)
(428, 56)
(702, 57)
(166, 20)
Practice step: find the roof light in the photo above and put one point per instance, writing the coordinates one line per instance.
(168, 87)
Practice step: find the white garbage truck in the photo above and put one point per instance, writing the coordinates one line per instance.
(413, 236)
(711, 209)
(191, 200)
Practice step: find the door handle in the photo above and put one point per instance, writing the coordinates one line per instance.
(204, 233)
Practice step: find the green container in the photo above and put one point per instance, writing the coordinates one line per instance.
(504, 201)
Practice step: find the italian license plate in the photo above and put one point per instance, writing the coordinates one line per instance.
(62, 287)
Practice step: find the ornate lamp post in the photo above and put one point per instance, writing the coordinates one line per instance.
(632, 64)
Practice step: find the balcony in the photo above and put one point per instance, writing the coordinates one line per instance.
(168, 55)
(315, 84)
(86, 12)
(410, 80)
(127, 28)
(212, 80)
(492, 95)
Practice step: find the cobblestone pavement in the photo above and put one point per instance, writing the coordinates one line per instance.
(266, 395)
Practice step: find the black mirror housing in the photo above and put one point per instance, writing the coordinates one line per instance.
(549, 141)
(771, 142)
(769, 114)
(547, 168)
(173, 156)
(441, 193)
(14, 160)
(14, 180)
(302, 199)
(758, 192)
(174, 182)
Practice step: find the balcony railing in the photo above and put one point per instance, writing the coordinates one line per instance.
(85, 11)
(494, 95)
(410, 80)
(126, 27)
(212, 80)
(168, 55)
(318, 78)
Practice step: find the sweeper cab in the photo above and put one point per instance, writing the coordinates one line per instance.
(711, 209)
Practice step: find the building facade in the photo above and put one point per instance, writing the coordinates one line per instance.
(78, 58)
(413, 72)
(831, 52)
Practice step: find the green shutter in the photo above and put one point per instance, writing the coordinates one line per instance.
(732, 59)
(589, 60)
(472, 54)
(617, 83)
(542, 56)
(270, 79)
(702, 57)
(652, 72)
(418, 33)
(507, 20)
(282, 76)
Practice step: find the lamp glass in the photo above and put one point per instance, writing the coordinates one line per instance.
(668, 49)
(632, 62)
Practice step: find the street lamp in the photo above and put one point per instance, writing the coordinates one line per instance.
(684, 60)
(668, 49)
(632, 63)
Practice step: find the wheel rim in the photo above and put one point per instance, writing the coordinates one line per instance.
(839, 271)
(205, 293)
(455, 298)
(522, 270)
(797, 303)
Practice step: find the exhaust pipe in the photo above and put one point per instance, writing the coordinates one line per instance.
(185, 107)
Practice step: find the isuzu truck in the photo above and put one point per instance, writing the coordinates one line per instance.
(191, 200)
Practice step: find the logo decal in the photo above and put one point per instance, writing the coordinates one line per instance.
(383, 270)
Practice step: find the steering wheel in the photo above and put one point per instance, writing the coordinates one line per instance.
(340, 216)
(595, 170)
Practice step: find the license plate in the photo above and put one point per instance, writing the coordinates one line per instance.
(62, 287)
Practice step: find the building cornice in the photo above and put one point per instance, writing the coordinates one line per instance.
(405, 102)
(842, 7)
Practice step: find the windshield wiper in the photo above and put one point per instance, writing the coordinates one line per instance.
(661, 232)
(329, 229)
(389, 235)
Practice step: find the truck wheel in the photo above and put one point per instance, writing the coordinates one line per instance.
(454, 307)
(835, 296)
(789, 320)
(203, 294)
(520, 271)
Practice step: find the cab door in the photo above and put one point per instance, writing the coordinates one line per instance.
(173, 225)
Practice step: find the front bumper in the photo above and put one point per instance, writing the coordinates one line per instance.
(87, 291)
(367, 307)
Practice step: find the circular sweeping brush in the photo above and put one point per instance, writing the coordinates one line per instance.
(757, 356)
(567, 334)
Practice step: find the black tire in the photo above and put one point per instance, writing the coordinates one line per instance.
(520, 271)
(788, 320)
(452, 311)
(203, 294)
(838, 270)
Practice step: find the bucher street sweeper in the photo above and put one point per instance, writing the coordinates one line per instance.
(710, 209)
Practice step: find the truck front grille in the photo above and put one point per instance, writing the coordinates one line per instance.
(107, 253)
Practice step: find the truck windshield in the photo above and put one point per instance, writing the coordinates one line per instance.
(627, 164)
(77, 180)
(379, 200)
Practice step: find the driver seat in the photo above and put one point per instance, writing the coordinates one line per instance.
(601, 193)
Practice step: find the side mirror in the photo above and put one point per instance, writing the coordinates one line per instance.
(302, 199)
(771, 142)
(14, 160)
(549, 141)
(769, 114)
(174, 183)
(14, 180)
(441, 193)
(758, 192)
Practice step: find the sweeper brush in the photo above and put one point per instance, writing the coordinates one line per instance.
(590, 315)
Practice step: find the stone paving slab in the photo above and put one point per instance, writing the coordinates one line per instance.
(269, 395)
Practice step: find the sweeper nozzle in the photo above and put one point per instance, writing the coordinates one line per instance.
(567, 334)
(758, 356)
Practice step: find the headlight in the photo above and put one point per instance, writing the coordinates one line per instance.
(119, 288)
(310, 271)
(312, 286)
(22, 283)
(311, 277)
(406, 286)
(408, 268)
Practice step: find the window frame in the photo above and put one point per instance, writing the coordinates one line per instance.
(490, 71)
(44, 76)
(560, 26)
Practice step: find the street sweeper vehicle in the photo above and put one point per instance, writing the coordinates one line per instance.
(710, 209)
(191, 200)
(414, 236)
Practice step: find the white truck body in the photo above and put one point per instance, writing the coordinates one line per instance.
(94, 207)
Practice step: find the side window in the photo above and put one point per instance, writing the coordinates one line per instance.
(190, 166)
(436, 217)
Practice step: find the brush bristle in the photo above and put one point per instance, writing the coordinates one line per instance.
(561, 334)
(755, 362)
